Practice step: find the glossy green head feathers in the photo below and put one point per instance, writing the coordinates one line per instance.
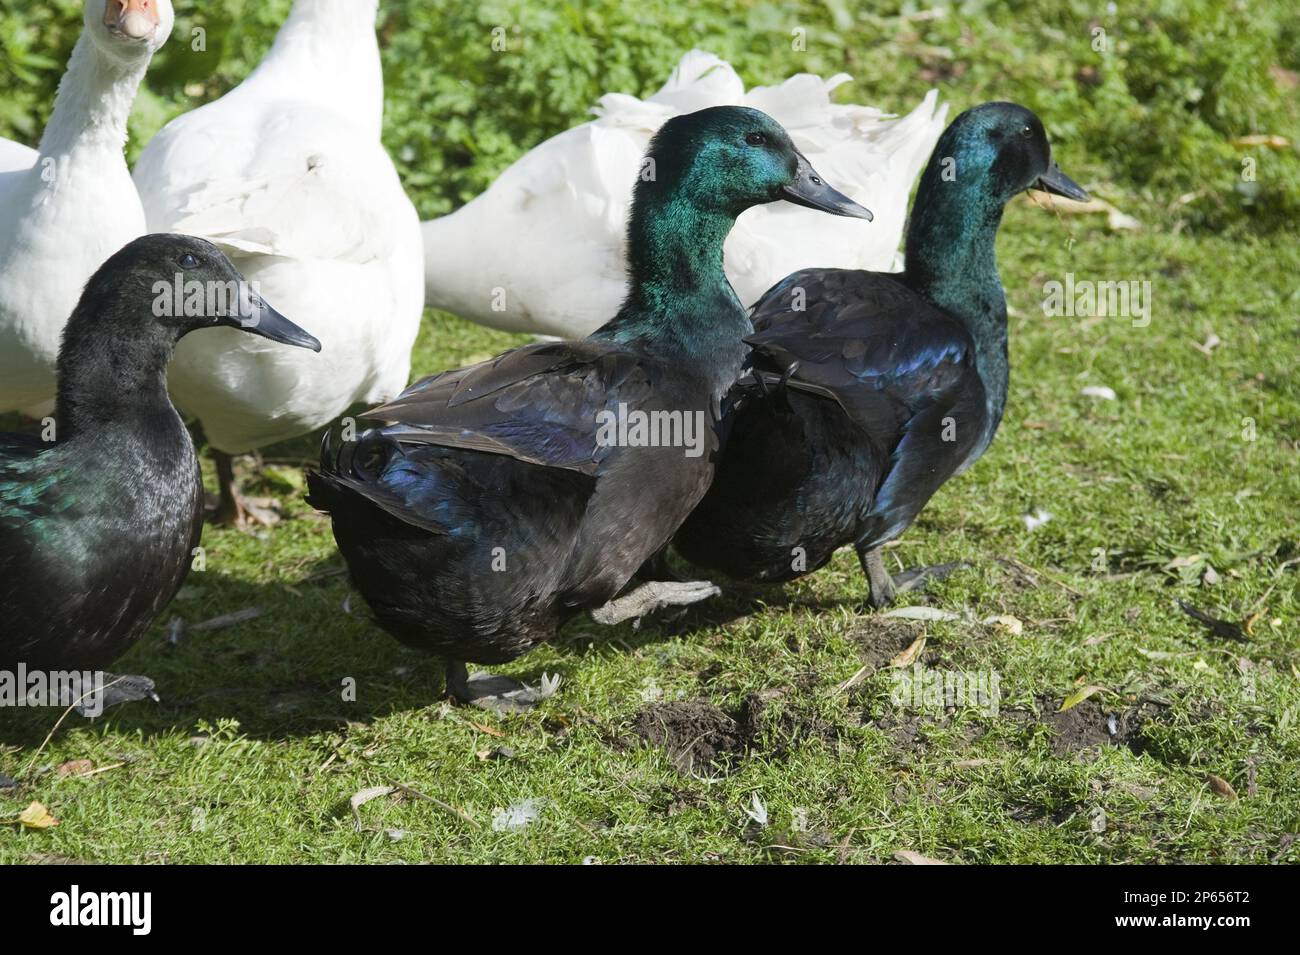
(984, 158)
(995, 150)
(702, 170)
(727, 158)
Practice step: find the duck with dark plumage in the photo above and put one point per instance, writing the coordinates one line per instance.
(503, 499)
(99, 515)
(869, 390)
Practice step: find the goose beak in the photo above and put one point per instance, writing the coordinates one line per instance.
(136, 19)
(1059, 184)
(811, 191)
(259, 318)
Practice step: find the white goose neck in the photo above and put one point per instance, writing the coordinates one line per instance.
(326, 50)
(93, 103)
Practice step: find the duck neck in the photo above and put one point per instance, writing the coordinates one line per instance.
(327, 51)
(93, 105)
(952, 263)
(679, 300)
(110, 380)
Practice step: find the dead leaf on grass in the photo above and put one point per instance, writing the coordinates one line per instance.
(908, 857)
(359, 799)
(1079, 695)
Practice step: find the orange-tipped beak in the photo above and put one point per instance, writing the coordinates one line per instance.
(137, 19)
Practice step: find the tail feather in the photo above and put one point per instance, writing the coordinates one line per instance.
(351, 474)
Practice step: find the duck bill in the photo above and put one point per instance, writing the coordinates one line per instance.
(1059, 184)
(259, 318)
(811, 191)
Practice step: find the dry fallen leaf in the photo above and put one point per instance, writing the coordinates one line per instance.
(909, 656)
(1115, 220)
(37, 816)
(1079, 695)
(364, 796)
(75, 767)
(1221, 787)
(487, 729)
(1010, 624)
(227, 620)
(1158, 654)
(922, 613)
(908, 857)
(1262, 139)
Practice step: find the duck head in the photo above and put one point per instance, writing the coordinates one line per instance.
(728, 158)
(1001, 149)
(984, 158)
(129, 30)
(162, 287)
(135, 308)
(701, 172)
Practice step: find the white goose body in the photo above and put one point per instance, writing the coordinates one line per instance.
(543, 249)
(287, 175)
(70, 204)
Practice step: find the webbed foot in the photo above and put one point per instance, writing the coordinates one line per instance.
(117, 688)
(497, 693)
(653, 596)
(885, 589)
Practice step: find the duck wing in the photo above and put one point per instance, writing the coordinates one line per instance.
(901, 369)
(28, 494)
(22, 478)
(543, 404)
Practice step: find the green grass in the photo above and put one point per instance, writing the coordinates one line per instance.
(253, 753)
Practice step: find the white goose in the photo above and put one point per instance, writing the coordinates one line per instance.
(68, 205)
(542, 250)
(287, 175)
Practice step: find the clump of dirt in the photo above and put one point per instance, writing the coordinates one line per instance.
(693, 733)
(701, 737)
(1092, 723)
(880, 639)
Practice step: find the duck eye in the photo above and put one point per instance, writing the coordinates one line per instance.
(756, 139)
(189, 261)
(1026, 132)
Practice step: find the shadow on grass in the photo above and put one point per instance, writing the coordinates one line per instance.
(314, 660)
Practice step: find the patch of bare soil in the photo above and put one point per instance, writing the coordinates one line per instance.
(880, 639)
(694, 733)
(702, 738)
(1093, 723)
